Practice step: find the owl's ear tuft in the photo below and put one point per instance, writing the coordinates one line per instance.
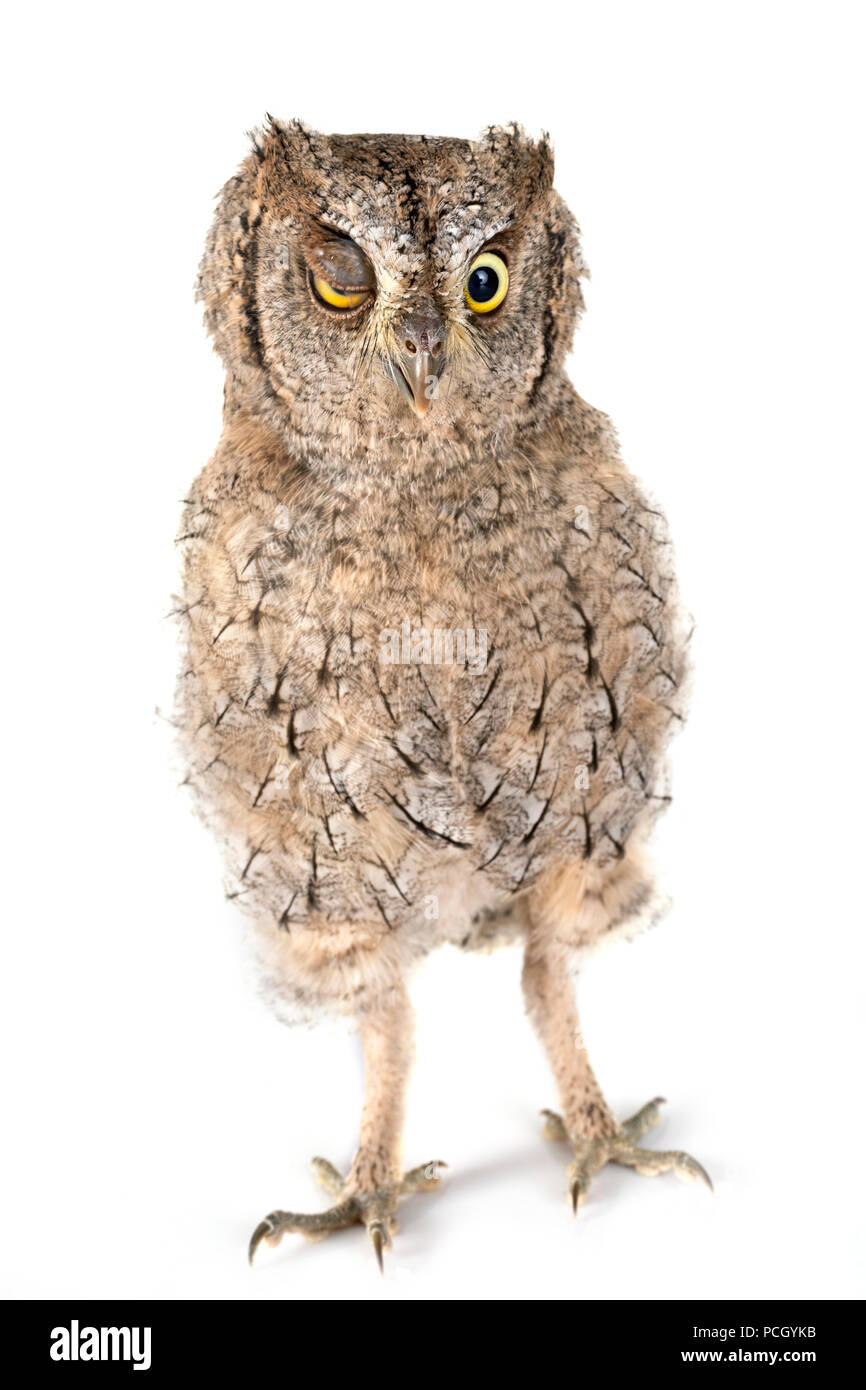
(281, 173)
(519, 162)
(292, 156)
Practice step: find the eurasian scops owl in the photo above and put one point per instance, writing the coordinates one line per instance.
(433, 644)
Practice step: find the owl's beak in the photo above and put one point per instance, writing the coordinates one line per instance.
(420, 360)
(417, 379)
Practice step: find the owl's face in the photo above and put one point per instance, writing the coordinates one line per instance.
(393, 287)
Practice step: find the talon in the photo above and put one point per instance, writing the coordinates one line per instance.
(705, 1177)
(425, 1178)
(688, 1169)
(330, 1178)
(372, 1209)
(553, 1127)
(377, 1238)
(620, 1146)
(264, 1228)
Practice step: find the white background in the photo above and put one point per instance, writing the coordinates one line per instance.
(153, 1110)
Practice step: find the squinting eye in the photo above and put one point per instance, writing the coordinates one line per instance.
(486, 283)
(338, 299)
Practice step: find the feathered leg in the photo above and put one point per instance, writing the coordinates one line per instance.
(370, 1192)
(586, 1121)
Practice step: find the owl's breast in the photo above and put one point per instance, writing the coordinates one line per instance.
(369, 727)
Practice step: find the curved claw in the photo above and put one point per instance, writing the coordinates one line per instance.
(375, 1209)
(645, 1118)
(264, 1229)
(377, 1239)
(690, 1169)
(621, 1146)
(554, 1126)
(330, 1177)
(424, 1178)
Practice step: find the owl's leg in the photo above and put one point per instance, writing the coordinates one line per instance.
(375, 1182)
(586, 1121)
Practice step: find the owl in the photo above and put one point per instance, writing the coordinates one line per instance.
(433, 648)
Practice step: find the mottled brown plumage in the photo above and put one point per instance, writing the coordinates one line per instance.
(377, 799)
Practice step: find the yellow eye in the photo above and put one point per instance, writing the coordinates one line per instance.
(338, 299)
(486, 283)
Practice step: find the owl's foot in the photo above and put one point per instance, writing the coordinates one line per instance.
(590, 1155)
(374, 1209)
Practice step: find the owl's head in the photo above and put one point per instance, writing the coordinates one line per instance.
(374, 288)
